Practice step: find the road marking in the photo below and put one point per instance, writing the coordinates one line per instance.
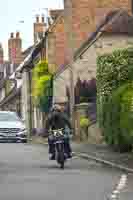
(75, 157)
(119, 187)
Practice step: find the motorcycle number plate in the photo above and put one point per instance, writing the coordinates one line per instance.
(58, 142)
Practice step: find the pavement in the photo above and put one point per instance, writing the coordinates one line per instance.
(27, 174)
(127, 192)
(104, 154)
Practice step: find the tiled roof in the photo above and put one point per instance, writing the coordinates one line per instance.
(122, 24)
(115, 22)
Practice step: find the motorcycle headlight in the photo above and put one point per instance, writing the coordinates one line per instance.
(55, 133)
(60, 132)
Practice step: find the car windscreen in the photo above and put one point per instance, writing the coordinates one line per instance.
(8, 117)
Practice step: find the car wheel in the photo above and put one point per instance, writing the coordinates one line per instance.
(24, 141)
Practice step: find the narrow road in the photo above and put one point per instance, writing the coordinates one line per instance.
(27, 174)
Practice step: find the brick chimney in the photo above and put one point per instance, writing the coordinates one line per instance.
(17, 35)
(43, 19)
(39, 27)
(37, 18)
(12, 35)
(15, 48)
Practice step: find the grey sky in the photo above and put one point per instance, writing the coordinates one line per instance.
(14, 11)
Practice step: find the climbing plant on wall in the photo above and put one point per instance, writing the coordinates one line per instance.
(42, 86)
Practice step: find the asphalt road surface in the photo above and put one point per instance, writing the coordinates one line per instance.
(27, 174)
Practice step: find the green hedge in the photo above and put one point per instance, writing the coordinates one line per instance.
(114, 95)
(122, 100)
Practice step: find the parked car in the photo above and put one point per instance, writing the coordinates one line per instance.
(12, 128)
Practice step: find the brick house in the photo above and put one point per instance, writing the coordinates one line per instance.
(113, 32)
(82, 18)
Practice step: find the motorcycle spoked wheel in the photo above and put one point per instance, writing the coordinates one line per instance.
(61, 160)
(60, 155)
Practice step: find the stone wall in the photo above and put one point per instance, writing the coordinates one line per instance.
(84, 68)
(109, 42)
(80, 111)
(93, 134)
(60, 84)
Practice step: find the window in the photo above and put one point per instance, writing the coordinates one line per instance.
(8, 117)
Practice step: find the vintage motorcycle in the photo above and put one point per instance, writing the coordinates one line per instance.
(60, 154)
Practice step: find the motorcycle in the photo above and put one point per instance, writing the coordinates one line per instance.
(60, 154)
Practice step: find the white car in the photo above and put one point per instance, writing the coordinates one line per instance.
(12, 128)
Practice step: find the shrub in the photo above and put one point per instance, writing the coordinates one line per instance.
(114, 77)
(84, 122)
(122, 100)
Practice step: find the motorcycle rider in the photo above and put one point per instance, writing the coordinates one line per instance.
(57, 120)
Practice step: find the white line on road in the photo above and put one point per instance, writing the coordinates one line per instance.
(120, 186)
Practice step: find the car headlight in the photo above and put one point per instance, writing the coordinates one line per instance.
(24, 129)
(22, 132)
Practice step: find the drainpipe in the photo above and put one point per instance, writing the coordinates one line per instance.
(71, 46)
(26, 101)
(30, 104)
(132, 7)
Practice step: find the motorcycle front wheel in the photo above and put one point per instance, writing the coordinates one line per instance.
(62, 161)
(60, 156)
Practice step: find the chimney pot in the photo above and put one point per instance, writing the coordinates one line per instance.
(12, 35)
(37, 18)
(17, 35)
(43, 19)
